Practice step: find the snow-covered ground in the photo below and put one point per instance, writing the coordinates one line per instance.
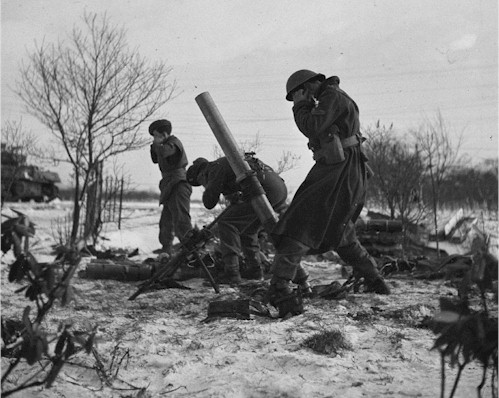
(171, 352)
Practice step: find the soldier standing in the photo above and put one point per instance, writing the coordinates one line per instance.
(323, 211)
(239, 226)
(168, 152)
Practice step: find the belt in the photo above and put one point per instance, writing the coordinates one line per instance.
(350, 141)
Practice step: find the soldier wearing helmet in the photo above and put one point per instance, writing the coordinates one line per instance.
(322, 213)
(239, 226)
(298, 79)
(168, 152)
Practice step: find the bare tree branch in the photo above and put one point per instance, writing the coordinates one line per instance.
(398, 174)
(439, 155)
(93, 92)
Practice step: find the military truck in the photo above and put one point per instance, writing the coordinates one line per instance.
(23, 182)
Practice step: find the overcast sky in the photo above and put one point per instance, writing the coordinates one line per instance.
(401, 61)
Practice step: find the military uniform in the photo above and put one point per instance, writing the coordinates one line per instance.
(322, 213)
(175, 190)
(332, 194)
(239, 226)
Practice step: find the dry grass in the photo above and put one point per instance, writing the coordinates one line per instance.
(328, 342)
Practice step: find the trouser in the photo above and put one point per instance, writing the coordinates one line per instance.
(175, 216)
(287, 261)
(238, 229)
(354, 254)
(290, 251)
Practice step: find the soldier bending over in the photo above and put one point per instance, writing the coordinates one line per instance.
(239, 226)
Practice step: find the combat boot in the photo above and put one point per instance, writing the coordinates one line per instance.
(301, 279)
(377, 286)
(230, 276)
(373, 281)
(305, 289)
(228, 279)
(282, 296)
(254, 273)
(364, 266)
(251, 267)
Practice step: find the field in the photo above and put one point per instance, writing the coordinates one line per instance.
(159, 345)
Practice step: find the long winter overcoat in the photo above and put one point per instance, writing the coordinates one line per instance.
(331, 194)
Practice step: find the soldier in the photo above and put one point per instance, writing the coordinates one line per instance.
(167, 151)
(239, 226)
(322, 213)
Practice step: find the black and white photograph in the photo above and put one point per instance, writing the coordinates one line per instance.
(249, 199)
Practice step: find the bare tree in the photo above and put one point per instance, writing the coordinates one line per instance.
(17, 139)
(18, 145)
(439, 155)
(93, 92)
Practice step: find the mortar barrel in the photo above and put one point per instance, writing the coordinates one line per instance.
(241, 168)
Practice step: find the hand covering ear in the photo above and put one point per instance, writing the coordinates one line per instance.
(300, 95)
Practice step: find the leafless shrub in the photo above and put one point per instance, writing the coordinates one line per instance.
(439, 155)
(61, 231)
(398, 175)
(286, 162)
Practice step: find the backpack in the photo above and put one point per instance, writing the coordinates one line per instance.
(257, 166)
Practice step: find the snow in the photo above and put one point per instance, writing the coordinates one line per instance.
(172, 352)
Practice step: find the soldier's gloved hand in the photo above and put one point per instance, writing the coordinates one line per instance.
(158, 138)
(300, 95)
(234, 198)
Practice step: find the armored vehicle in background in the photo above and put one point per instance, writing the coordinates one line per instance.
(21, 181)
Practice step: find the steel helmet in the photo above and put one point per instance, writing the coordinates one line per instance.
(298, 78)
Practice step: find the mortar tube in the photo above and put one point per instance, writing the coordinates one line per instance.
(241, 168)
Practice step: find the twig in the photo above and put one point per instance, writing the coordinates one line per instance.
(191, 393)
(482, 383)
(80, 365)
(128, 389)
(81, 385)
(493, 384)
(175, 389)
(100, 368)
(10, 369)
(458, 376)
(22, 387)
(41, 370)
(125, 355)
(442, 372)
(133, 388)
(114, 355)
